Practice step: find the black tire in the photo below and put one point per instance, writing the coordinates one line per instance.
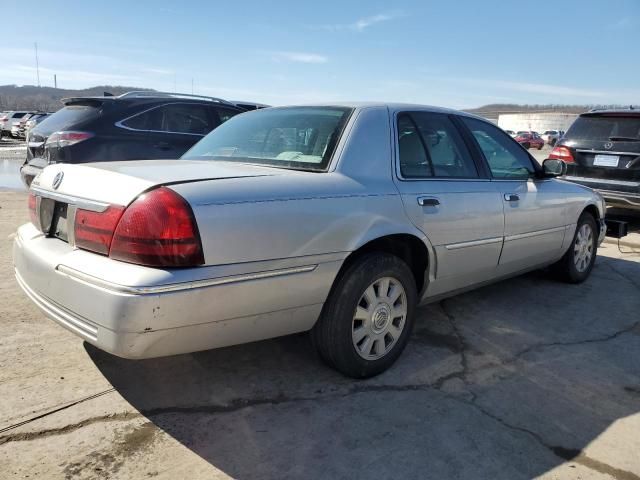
(566, 268)
(332, 334)
(540, 147)
(526, 145)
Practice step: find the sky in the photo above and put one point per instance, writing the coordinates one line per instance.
(458, 54)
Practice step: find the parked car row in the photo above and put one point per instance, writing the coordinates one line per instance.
(529, 138)
(283, 220)
(17, 124)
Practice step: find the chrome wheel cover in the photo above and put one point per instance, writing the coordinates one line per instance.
(583, 248)
(379, 318)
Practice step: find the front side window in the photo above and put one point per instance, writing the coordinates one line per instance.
(294, 137)
(174, 118)
(506, 159)
(430, 146)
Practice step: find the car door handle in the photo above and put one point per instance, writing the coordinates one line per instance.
(428, 201)
(511, 197)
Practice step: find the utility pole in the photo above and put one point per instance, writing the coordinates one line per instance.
(37, 65)
(55, 81)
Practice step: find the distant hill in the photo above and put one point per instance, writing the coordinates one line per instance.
(497, 108)
(30, 97)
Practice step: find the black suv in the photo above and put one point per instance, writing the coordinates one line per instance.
(135, 125)
(602, 151)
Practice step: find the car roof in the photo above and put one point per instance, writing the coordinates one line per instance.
(605, 111)
(392, 106)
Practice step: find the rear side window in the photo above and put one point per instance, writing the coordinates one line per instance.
(225, 113)
(429, 145)
(68, 117)
(173, 118)
(603, 127)
(506, 159)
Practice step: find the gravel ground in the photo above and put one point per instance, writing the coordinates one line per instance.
(525, 378)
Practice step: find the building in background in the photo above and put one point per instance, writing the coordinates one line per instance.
(538, 122)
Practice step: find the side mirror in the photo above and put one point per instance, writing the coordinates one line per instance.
(554, 168)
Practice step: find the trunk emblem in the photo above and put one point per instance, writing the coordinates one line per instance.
(608, 145)
(57, 180)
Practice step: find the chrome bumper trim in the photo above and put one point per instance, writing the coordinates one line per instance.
(175, 287)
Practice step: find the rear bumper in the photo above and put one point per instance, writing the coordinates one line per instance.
(615, 192)
(152, 312)
(31, 169)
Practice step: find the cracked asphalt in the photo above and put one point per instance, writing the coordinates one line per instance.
(521, 379)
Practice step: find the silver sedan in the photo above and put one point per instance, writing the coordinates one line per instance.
(338, 219)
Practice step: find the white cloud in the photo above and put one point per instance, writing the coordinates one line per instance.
(299, 57)
(362, 24)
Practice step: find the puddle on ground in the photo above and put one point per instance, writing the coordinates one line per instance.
(10, 175)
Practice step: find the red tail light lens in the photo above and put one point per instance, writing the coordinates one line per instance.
(562, 153)
(158, 229)
(67, 138)
(94, 230)
(33, 214)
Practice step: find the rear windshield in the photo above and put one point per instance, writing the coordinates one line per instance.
(294, 137)
(600, 127)
(68, 117)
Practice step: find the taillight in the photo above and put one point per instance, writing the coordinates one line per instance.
(67, 138)
(94, 230)
(562, 153)
(33, 214)
(158, 229)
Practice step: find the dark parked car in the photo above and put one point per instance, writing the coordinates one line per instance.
(529, 140)
(602, 151)
(135, 125)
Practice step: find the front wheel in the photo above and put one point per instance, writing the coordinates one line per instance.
(526, 145)
(540, 146)
(367, 319)
(577, 263)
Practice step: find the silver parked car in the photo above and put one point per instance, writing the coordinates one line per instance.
(334, 219)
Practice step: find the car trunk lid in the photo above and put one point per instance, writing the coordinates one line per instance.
(119, 183)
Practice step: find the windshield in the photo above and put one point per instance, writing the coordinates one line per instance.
(601, 127)
(295, 137)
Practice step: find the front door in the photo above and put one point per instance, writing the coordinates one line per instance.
(534, 209)
(446, 196)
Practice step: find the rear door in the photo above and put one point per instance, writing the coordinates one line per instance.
(605, 146)
(534, 209)
(448, 196)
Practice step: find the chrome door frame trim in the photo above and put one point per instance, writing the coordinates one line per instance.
(120, 125)
(177, 287)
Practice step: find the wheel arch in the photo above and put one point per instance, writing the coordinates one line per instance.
(415, 251)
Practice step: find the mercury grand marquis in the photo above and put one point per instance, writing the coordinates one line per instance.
(333, 219)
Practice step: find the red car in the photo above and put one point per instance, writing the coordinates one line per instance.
(529, 140)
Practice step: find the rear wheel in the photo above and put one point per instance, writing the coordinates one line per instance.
(526, 145)
(577, 263)
(368, 317)
(540, 146)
